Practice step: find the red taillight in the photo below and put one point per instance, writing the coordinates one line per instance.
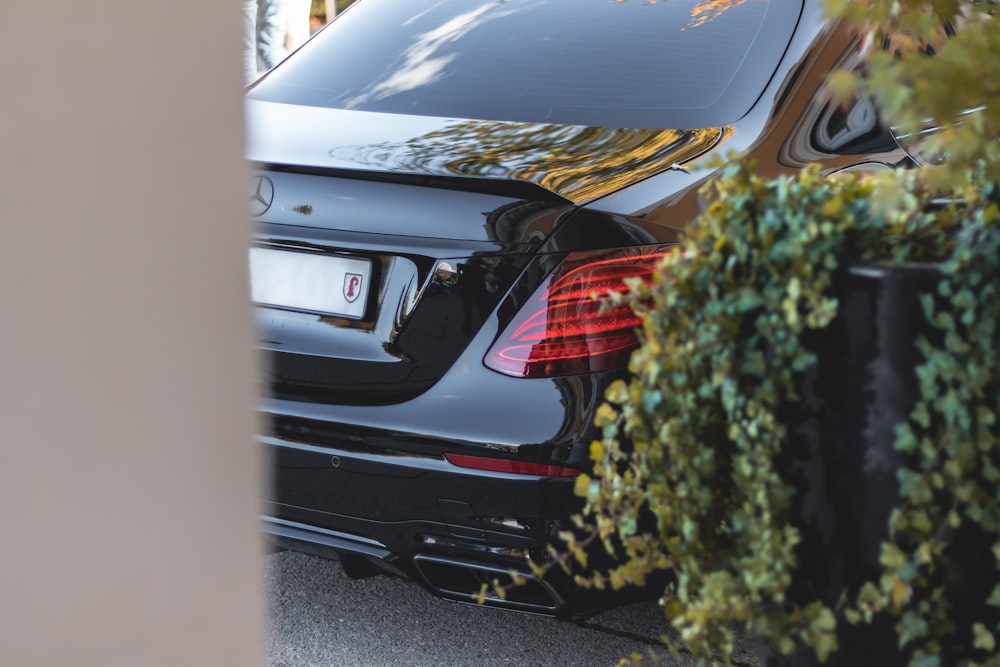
(509, 466)
(564, 330)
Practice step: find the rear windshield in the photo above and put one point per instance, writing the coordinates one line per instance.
(607, 63)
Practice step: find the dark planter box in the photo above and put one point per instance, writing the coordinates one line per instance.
(840, 457)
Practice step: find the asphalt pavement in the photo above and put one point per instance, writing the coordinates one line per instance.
(320, 617)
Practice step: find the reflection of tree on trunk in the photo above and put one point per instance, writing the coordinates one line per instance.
(575, 161)
(479, 281)
(475, 300)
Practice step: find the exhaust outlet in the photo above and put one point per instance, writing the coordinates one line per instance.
(462, 580)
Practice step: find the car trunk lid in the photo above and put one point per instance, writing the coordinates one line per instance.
(575, 162)
(435, 263)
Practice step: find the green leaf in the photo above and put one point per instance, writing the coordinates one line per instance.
(982, 638)
(843, 86)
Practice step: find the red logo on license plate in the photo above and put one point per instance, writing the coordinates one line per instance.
(352, 286)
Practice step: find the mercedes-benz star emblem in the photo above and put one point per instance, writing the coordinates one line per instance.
(261, 195)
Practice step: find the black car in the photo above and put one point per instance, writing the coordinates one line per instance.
(439, 188)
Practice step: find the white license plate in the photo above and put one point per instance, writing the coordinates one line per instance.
(328, 284)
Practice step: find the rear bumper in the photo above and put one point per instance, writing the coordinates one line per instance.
(370, 485)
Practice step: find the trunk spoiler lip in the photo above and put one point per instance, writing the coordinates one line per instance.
(504, 187)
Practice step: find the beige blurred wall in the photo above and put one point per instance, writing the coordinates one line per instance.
(128, 475)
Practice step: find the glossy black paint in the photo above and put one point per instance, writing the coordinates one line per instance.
(454, 250)
(358, 414)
